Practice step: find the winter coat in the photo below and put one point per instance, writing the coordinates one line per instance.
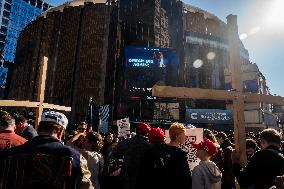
(164, 167)
(9, 139)
(218, 158)
(228, 178)
(43, 162)
(131, 150)
(206, 175)
(262, 169)
(28, 132)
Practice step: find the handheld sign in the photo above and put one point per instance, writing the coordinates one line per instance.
(123, 127)
(192, 135)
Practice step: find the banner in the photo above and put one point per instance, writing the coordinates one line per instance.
(123, 127)
(192, 135)
(209, 116)
(3, 76)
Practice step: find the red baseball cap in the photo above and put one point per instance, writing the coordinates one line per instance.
(156, 134)
(206, 145)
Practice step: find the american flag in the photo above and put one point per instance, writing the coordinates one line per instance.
(97, 116)
(103, 115)
(104, 112)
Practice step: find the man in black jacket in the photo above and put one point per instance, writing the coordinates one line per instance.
(228, 177)
(264, 166)
(131, 150)
(44, 162)
(163, 166)
(24, 129)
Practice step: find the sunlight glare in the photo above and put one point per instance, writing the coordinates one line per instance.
(243, 36)
(211, 55)
(197, 63)
(254, 30)
(275, 15)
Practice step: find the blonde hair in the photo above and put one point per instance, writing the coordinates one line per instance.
(175, 129)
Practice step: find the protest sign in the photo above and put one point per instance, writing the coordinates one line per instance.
(123, 127)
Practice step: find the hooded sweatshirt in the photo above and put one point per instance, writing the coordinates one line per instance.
(206, 175)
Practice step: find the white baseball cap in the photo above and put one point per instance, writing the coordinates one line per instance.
(55, 117)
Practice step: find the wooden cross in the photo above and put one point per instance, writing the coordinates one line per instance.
(39, 104)
(237, 96)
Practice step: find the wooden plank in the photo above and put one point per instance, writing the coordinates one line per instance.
(13, 103)
(42, 79)
(196, 93)
(39, 111)
(41, 89)
(237, 85)
(193, 93)
(266, 99)
(56, 107)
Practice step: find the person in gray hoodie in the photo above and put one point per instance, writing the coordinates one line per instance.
(206, 175)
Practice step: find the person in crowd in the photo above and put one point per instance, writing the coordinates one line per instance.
(90, 149)
(228, 177)
(264, 166)
(82, 127)
(8, 137)
(44, 161)
(107, 147)
(110, 164)
(161, 165)
(206, 174)
(279, 182)
(177, 134)
(217, 158)
(251, 148)
(23, 128)
(131, 150)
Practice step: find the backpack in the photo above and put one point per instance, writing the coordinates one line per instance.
(159, 165)
(154, 170)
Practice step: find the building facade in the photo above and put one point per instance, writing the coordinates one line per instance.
(152, 26)
(144, 23)
(75, 38)
(14, 17)
(91, 46)
(258, 116)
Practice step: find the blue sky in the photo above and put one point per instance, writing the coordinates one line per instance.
(262, 24)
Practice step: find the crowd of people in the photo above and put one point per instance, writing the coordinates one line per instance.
(47, 158)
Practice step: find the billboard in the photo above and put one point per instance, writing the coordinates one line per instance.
(166, 111)
(146, 67)
(214, 116)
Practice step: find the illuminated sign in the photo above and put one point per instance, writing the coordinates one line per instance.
(209, 116)
(140, 62)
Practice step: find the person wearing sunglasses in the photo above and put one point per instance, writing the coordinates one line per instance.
(82, 127)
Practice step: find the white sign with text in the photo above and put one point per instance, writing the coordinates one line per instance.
(123, 127)
(192, 135)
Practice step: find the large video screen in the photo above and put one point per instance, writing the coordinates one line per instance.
(146, 67)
